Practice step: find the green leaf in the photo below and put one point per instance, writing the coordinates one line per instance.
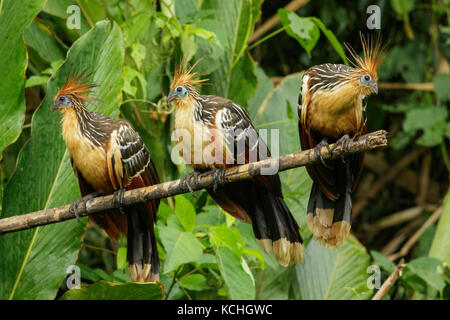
(265, 86)
(441, 242)
(222, 235)
(15, 16)
(304, 30)
(121, 259)
(44, 177)
(181, 247)
(185, 212)
(382, 261)
(233, 27)
(40, 38)
(239, 283)
(333, 274)
(274, 283)
(426, 268)
(432, 120)
(36, 81)
(104, 290)
(194, 282)
(331, 38)
(442, 86)
(402, 7)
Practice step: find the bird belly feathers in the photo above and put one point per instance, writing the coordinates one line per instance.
(335, 114)
(88, 159)
(199, 145)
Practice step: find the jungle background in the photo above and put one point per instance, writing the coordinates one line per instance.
(253, 52)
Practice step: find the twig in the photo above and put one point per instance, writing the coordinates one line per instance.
(275, 19)
(424, 180)
(173, 281)
(408, 245)
(377, 163)
(401, 236)
(395, 219)
(172, 188)
(361, 203)
(426, 86)
(389, 281)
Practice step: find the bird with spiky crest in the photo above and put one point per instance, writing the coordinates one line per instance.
(332, 108)
(217, 133)
(109, 157)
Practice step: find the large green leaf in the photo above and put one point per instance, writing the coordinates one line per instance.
(333, 273)
(39, 37)
(44, 177)
(235, 78)
(239, 281)
(104, 290)
(278, 114)
(15, 16)
(441, 242)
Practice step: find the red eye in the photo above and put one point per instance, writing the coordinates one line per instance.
(61, 99)
(179, 89)
(367, 78)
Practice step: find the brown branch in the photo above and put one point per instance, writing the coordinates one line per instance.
(408, 245)
(172, 188)
(377, 163)
(361, 203)
(426, 86)
(275, 19)
(389, 281)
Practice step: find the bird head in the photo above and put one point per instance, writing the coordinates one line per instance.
(183, 88)
(73, 93)
(365, 77)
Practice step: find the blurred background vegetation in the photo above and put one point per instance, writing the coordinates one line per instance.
(253, 52)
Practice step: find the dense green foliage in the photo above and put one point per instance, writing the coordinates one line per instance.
(130, 49)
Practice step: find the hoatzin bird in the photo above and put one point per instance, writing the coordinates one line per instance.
(108, 157)
(332, 108)
(227, 138)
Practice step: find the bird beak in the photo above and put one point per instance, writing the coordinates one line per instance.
(172, 96)
(53, 106)
(375, 88)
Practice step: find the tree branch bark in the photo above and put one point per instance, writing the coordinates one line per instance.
(172, 188)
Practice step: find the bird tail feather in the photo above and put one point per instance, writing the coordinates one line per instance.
(275, 228)
(142, 254)
(329, 220)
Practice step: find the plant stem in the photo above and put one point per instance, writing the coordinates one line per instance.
(268, 36)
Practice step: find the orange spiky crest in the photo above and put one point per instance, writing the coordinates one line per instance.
(77, 87)
(373, 55)
(184, 76)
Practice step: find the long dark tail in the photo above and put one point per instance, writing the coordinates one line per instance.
(142, 254)
(273, 224)
(330, 220)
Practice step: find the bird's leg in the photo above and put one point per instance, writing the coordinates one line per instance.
(219, 177)
(73, 208)
(187, 180)
(118, 199)
(318, 148)
(343, 142)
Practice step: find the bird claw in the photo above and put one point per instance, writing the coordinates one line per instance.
(118, 199)
(73, 208)
(343, 142)
(318, 148)
(187, 180)
(219, 177)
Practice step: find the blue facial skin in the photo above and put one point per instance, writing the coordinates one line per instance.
(367, 80)
(61, 101)
(177, 93)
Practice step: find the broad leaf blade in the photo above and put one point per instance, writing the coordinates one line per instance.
(234, 79)
(104, 290)
(441, 242)
(333, 274)
(44, 177)
(15, 16)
